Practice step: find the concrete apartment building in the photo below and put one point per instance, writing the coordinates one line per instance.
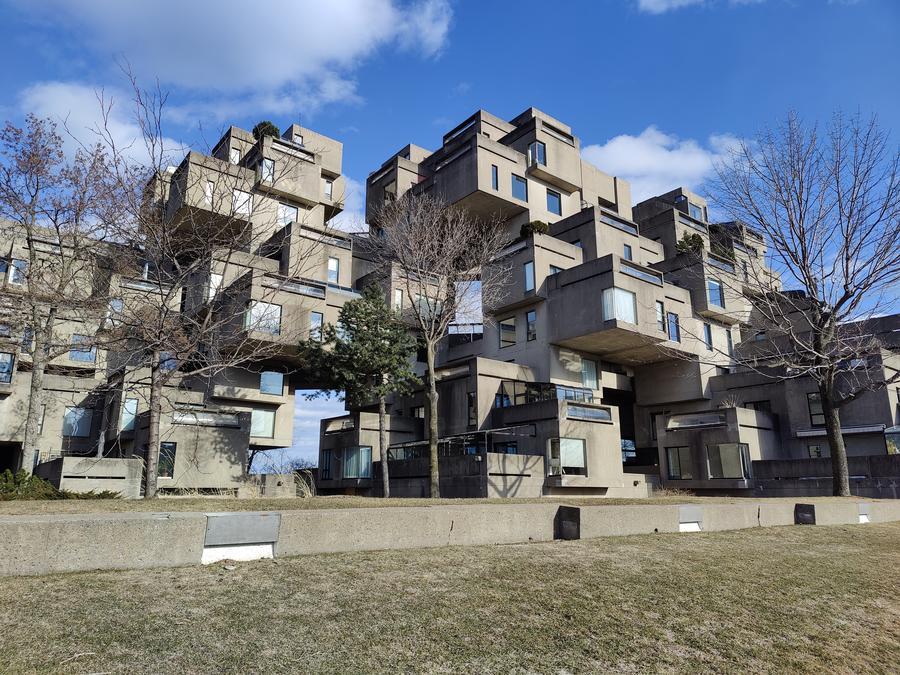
(293, 275)
(607, 363)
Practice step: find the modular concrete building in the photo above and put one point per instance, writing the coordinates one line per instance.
(609, 362)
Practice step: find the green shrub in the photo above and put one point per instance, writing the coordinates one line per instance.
(690, 242)
(265, 128)
(534, 227)
(21, 485)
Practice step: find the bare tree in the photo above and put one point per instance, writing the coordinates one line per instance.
(55, 269)
(828, 204)
(445, 262)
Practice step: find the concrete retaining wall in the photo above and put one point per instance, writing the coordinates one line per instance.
(70, 543)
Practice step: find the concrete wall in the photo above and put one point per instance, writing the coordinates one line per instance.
(86, 474)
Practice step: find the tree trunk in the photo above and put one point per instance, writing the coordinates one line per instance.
(839, 470)
(383, 445)
(433, 424)
(33, 414)
(151, 457)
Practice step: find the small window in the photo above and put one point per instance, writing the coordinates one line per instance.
(537, 153)
(506, 447)
(209, 191)
(729, 342)
(7, 367)
(358, 462)
(18, 272)
(77, 422)
(215, 283)
(627, 253)
(589, 374)
(815, 451)
(762, 406)
(716, 295)
(82, 350)
(728, 460)
(167, 361)
(577, 243)
(519, 188)
(816, 413)
(528, 269)
(325, 466)
(567, 457)
(531, 325)
(27, 340)
(390, 192)
(398, 299)
(555, 270)
(472, 407)
(679, 461)
(619, 304)
(695, 211)
(334, 270)
(329, 189)
(271, 382)
(241, 202)
(508, 332)
(129, 414)
(267, 170)
(263, 317)
(554, 202)
(262, 423)
(674, 326)
(418, 412)
(707, 336)
(495, 177)
(165, 467)
(660, 316)
(316, 322)
(287, 214)
(234, 155)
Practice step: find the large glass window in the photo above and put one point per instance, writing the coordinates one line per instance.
(716, 294)
(674, 326)
(77, 422)
(262, 423)
(554, 202)
(816, 414)
(7, 366)
(537, 153)
(580, 412)
(495, 177)
(589, 373)
(165, 467)
(271, 382)
(82, 350)
(619, 304)
(728, 460)
(528, 269)
(519, 188)
(531, 325)
(287, 214)
(568, 457)
(263, 317)
(695, 211)
(358, 462)
(334, 271)
(508, 332)
(679, 461)
(129, 413)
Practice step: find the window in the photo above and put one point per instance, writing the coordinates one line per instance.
(215, 283)
(728, 460)
(531, 325)
(495, 177)
(168, 361)
(286, 214)
(537, 153)
(729, 342)
(82, 350)
(316, 321)
(529, 275)
(271, 382)
(815, 451)
(654, 416)
(329, 188)
(661, 316)
(472, 408)
(114, 308)
(519, 188)
(589, 373)
(77, 422)
(695, 211)
(816, 414)
(165, 467)
(7, 363)
(627, 253)
(267, 170)
(679, 461)
(619, 304)
(262, 423)
(241, 202)
(580, 412)
(762, 406)
(418, 412)
(707, 336)
(27, 340)
(398, 299)
(209, 191)
(508, 332)
(234, 155)
(390, 192)
(577, 243)
(506, 447)
(18, 271)
(714, 289)
(746, 271)
(555, 270)
(334, 270)
(129, 414)
(554, 202)
(358, 462)
(674, 326)
(325, 466)
(567, 457)
(263, 317)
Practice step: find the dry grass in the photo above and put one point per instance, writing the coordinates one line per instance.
(798, 599)
(208, 504)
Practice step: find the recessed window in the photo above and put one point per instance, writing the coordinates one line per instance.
(329, 188)
(537, 153)
(554, 202)
(77, 422)
(729, 342)
(241, 202)
(358, 462)
(398, 299)
(82, 350)
(418, 412)
(209, 191)
(674, 326)
(728, 460)
(707, 336)
(528, 269)
(325, 465)
(519, 188)
(589, 374)
(287, 214)
(316, 321)
(234, 155)
(267, 170)
(17, 271)
(508, 332)
(555, 270)
(271, 382)
(816, 413)
(620, 305)
(165, 467)
(129, 414)
(660, 316)
(334, 270)
(531, 324)
(695, 211)
(567, 457)
(262, 423)
(472, 408)
(263, 317)
(215, 283)
(627, 252)
(679, 461)
(495, 177)
(716, 294)
(7, 366)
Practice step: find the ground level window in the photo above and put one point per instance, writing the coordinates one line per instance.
(728, 460)
(568, 457)
(165, 466)
(679, 461)
(358, 462)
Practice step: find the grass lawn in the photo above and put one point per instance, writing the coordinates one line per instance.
(796, 599)
(209, 504)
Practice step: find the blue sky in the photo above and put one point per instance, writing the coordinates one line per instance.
(655, 89)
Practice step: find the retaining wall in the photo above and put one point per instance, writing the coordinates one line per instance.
(45, 544)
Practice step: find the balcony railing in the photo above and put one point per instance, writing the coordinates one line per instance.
(655, 278)
(515, 392)
(464, 333)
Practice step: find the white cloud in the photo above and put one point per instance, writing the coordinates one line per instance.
(272, 56)
(662, 6)
(655, 162)
(307, 415)
(353, 217)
